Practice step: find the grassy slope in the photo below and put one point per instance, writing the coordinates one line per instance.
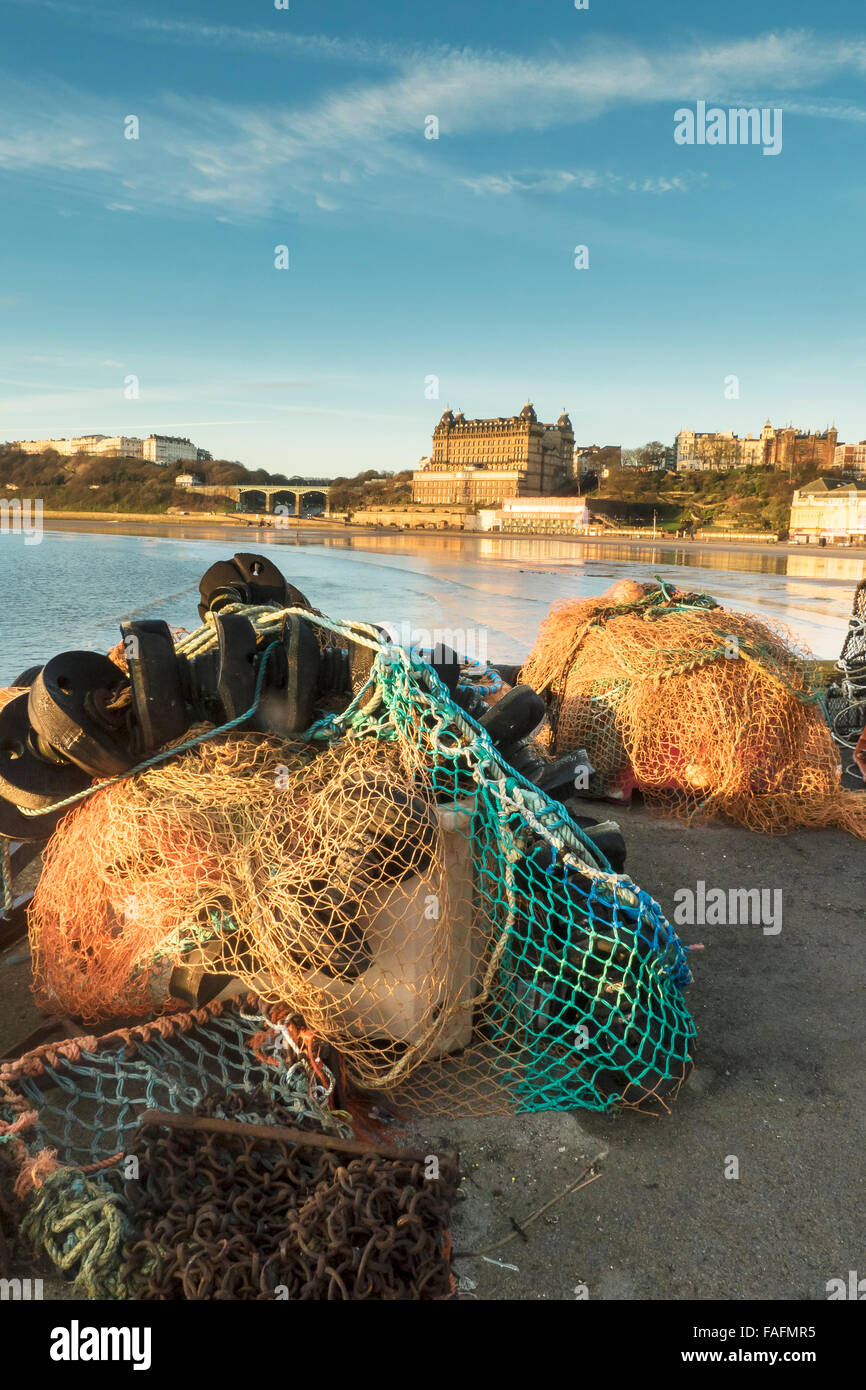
(746, 499)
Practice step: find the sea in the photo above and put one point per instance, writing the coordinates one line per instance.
(73, 589)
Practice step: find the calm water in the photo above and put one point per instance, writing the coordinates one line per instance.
(73, 589)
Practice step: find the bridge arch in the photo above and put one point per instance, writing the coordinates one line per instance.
(280, 493)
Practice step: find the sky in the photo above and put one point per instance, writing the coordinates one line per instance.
(139, 288)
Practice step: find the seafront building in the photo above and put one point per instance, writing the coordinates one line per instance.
(527, 515)
(539, 516)
(829, 510)
(480, 462)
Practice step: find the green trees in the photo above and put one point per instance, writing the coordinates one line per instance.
(114, 483)
(371, 489)
(648, 456)
(742, 499)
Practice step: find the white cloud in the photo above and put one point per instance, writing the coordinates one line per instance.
(828, 110)
(275, 37)
(266, 40)
(239, 161)
(561, 180)
(50, 145)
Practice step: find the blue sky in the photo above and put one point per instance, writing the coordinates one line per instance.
(412, 258)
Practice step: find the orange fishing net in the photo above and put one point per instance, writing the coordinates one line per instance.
(386, 877)
(10, 692)
(255, 859)
(705, 711)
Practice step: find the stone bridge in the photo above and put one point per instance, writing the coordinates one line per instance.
(272, 494)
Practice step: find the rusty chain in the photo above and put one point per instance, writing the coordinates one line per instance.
(236, 1217)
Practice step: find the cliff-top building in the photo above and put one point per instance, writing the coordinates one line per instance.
(772, 448)
(157, 448)
(591, 458)
(169, 448)
(481, 462)
(851, 458)
(128, 446)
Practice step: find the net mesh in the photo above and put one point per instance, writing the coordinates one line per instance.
(81, 1099)
(118, 1209)
(706, 711)
(430, 914)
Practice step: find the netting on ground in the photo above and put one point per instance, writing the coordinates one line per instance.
(125, 1210)
(706, 711)
(430, 914)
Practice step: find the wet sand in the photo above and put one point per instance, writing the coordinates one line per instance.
(142, 524)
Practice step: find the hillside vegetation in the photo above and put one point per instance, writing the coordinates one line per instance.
(746, 499)
(371, 489)
(109, 483)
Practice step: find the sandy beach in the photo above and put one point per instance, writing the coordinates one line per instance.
(141, 523)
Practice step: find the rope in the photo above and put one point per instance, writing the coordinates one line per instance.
(6, 877)
(79, 1224)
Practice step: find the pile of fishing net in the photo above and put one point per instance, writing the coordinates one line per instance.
(432, 916)
(210, 1154)
(705, 711)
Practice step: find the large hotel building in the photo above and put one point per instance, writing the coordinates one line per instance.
(481, 462)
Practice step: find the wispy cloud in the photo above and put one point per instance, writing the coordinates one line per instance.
(355, 145)
(276, 37)
(270, 39)
(827, 110)
(587, 180)
(51, 146)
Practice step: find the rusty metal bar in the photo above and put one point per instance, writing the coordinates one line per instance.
(280, 1134)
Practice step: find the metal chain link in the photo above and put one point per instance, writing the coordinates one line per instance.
(220, 1216)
